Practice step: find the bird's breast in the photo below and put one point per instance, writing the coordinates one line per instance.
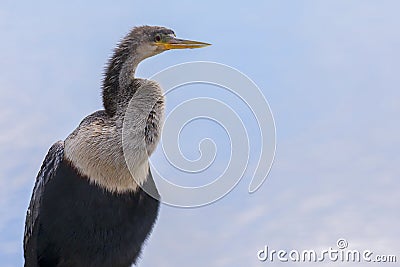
(113, 152)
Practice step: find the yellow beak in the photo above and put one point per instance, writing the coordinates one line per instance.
(174, 43)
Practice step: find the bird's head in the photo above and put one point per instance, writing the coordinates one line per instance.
(152, 40)
(140, 43)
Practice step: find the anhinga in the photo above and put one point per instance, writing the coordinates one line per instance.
(86, 208)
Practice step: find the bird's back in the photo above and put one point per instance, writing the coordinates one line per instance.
(81, 224)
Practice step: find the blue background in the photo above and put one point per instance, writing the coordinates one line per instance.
(329, 69)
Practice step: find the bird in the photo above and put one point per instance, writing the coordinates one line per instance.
(88, 207)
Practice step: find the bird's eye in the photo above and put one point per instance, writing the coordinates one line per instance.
(157, 38)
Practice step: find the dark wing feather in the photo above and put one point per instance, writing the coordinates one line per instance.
(46, 173)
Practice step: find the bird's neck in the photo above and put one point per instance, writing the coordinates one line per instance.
(119, 75)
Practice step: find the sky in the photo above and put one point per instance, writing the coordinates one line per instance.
(328, 69)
